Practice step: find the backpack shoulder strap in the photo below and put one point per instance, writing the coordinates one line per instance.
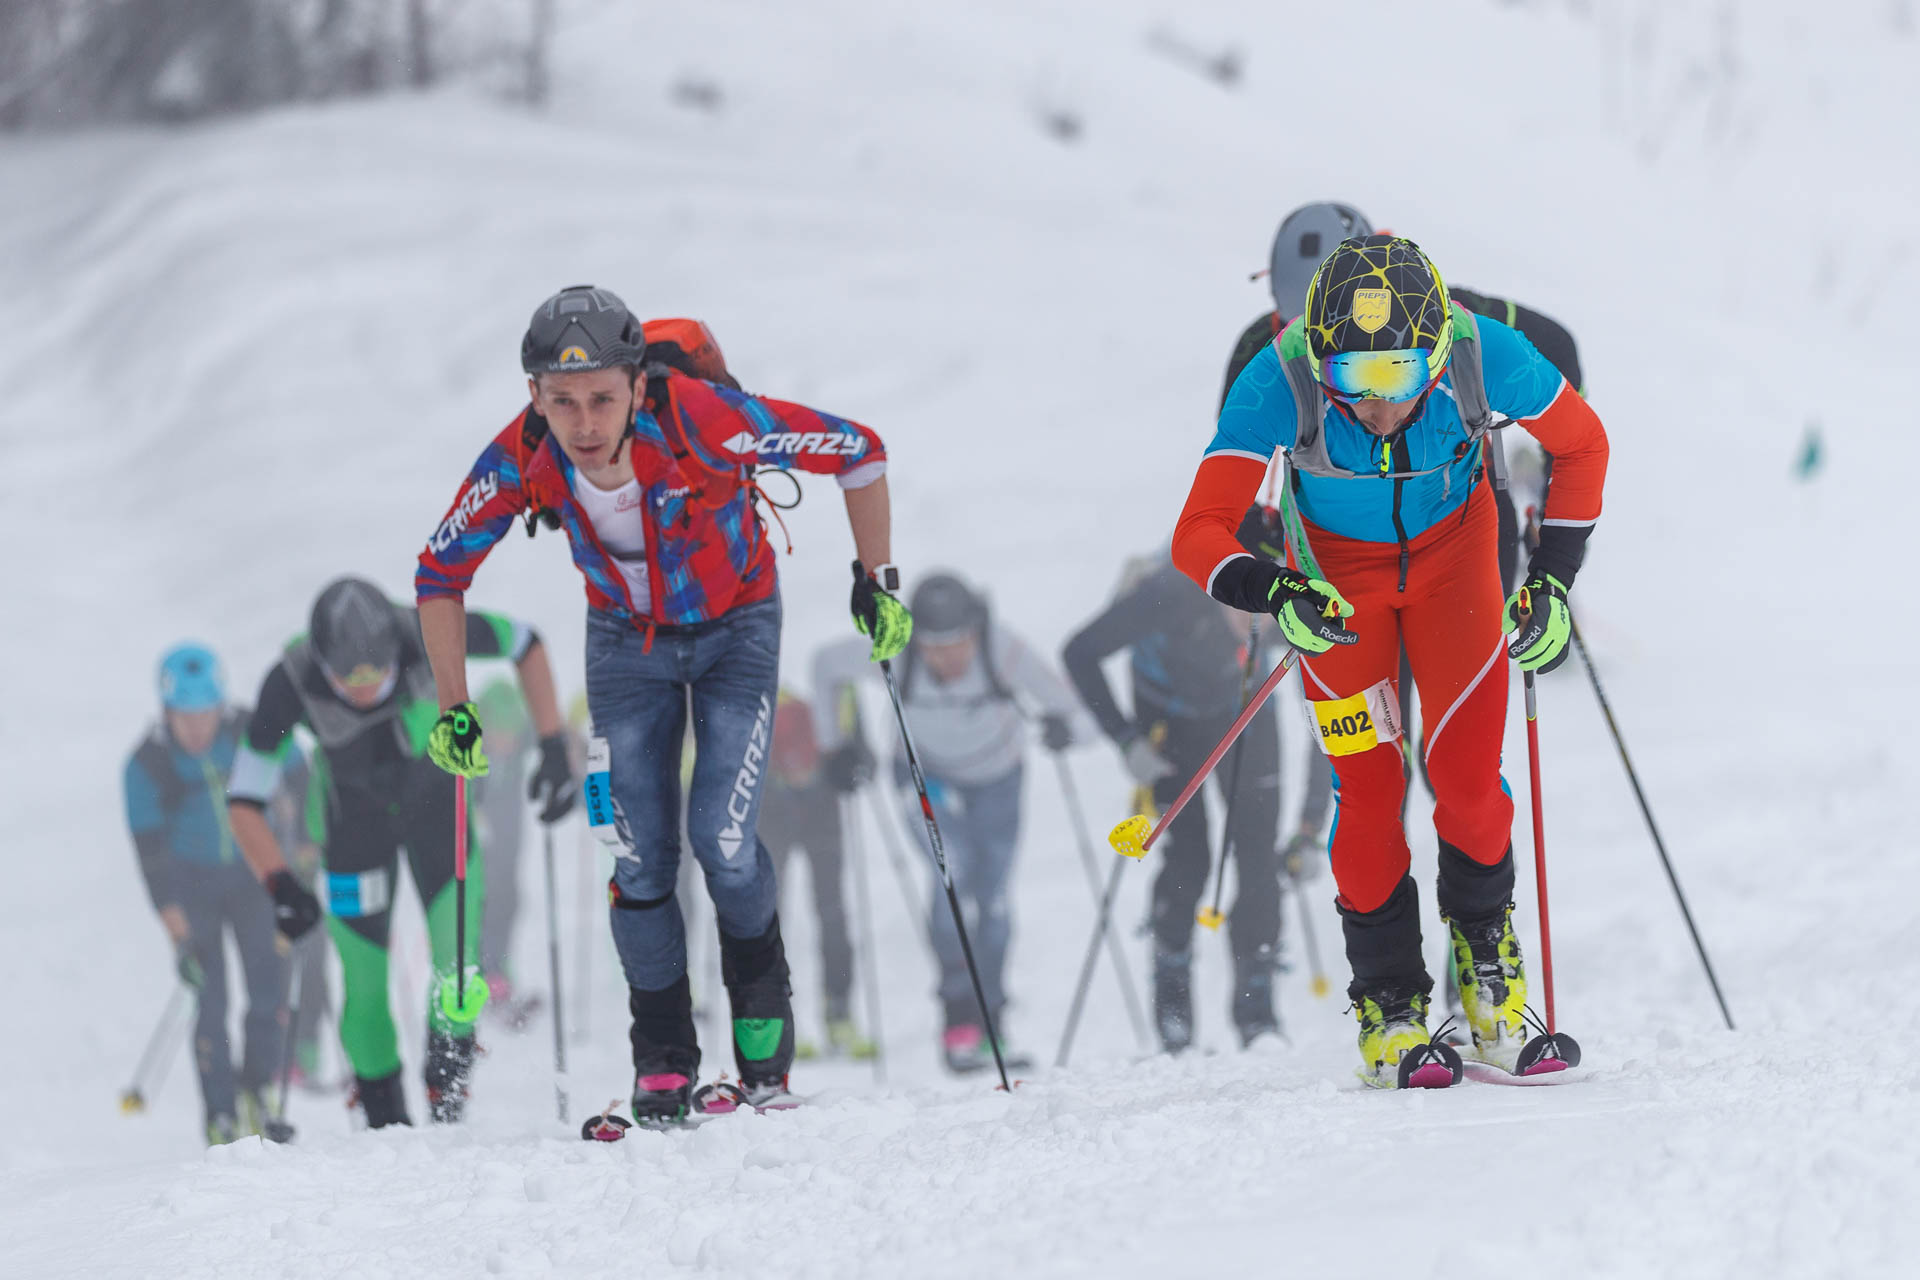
(1309, 451)
(155, 757)
(1469, 376)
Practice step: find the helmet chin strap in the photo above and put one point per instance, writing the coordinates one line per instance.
(633, 407)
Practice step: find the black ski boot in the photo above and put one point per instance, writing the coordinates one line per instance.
(761, 995)
(1253, 1011)
(1173, 999)
(449, 1068)
(382, 1101)
(666, 1054)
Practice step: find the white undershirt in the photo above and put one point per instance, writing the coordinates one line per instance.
(618, 517)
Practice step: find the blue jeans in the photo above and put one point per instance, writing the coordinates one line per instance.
(980, 830)
(728, 669)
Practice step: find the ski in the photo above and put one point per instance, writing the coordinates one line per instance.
(710, 1102)
(1545, 1059)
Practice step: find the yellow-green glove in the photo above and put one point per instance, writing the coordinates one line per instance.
(880, 616)
(455, 745)
(1538, 611)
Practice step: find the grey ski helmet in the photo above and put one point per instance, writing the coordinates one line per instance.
(355, 633)
(1306, 237)
(945, 609)
(582, 328)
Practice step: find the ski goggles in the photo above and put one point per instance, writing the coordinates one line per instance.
(366, 684)
(1397, 376)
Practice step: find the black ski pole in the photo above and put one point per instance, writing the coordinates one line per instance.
(553, 966)
(869, 943)
(1646, 811)
(1092, 867)
(1319, 981)
(1210, 916)
(1093, 958)
(276, 1128)
(946, 875)
(902, 874)
(165, 1038)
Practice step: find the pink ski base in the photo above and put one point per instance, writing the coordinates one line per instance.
(1545, 1067)
(1430, 1075)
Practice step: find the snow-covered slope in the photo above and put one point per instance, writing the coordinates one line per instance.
(244, 358)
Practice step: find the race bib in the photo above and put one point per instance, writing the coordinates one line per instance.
(367, 893)
(603, 816)
(1362, 722)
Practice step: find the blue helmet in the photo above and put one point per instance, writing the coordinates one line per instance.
(191, 679)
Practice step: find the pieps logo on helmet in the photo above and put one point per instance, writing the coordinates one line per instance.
(1371, 309)
(578, 355)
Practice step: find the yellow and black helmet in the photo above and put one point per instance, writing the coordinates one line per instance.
(1375, 295)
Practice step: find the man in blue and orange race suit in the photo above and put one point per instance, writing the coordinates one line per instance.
(640, 446)
(1392, 538)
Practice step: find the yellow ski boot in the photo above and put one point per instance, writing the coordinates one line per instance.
(1395, 1050)
(1492, 979)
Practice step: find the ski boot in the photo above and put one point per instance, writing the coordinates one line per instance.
(1395, 1050)
(382, 1101)
(221, 1130)
(253, 1112)
(1492, 978)
(661, 1098)
(965, 1049)
(449, 1067)
(845, 1040)
(1253, 1015)
(1173, 999)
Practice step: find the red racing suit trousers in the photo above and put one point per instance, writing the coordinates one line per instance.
(1447, 613)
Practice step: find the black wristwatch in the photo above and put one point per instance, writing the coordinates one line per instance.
(887, 576)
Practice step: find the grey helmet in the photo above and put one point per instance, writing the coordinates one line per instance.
(945, 609)
(355, 632)
(582, 328)
(1306, 237)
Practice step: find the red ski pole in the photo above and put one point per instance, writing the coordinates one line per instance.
(1539, 846)
(1132, 837)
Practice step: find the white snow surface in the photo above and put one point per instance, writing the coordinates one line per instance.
(242, 358)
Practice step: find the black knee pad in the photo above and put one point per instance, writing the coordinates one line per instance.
(1383, 945)
(1471, 891)
(662, 1035)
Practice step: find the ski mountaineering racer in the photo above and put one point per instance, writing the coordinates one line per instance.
(358, 681)
(961, 685)
(175, 790)
(640, 446)
(1375, 395)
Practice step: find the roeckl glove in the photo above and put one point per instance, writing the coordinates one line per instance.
(1538, 612)
(455, 743)
(879, 615)
(1311, 611)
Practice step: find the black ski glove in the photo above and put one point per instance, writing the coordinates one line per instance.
(849, 766)
(294, 909)
(553, 786)
(1056, 731)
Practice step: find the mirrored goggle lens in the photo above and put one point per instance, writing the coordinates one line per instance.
(1378, 375)
(362, 679)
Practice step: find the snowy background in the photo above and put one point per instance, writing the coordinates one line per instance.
(244, 357)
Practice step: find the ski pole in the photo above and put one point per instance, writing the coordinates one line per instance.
(553, 966)
(276, 1128)
(940, 860)
(1646, 811)
(902, 874)
(1092, 867)
(165, 1038)
(1100, 928)
(1320, 984)
(1539, 845)
(452, 993)
(1211, 916)
(1133, 836)
(869, 943)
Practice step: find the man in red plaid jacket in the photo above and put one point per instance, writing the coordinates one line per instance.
(640, 446)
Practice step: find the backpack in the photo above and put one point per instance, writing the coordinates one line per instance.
(154, 755)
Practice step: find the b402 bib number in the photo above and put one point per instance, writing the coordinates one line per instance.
(1359, 723)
